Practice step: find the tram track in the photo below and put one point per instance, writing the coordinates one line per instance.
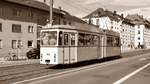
(20, 73)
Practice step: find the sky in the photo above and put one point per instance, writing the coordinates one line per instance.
(82, 8)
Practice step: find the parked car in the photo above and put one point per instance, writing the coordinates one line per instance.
(33, 53)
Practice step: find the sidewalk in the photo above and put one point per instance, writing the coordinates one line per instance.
(18, 62)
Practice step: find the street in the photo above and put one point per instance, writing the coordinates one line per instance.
(121, 71)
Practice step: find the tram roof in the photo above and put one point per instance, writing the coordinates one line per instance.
(84, 28)
(78, 27)
(110, 32)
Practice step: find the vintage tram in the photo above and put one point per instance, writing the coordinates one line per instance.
(64, 44)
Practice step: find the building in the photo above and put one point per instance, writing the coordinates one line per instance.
(142, 31)
(108, 20)
(127, 35)
(20, 21)
(104, 19)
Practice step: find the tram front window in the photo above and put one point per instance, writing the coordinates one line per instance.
(49, 38)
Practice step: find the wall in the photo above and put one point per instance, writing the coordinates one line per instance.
(7, 36)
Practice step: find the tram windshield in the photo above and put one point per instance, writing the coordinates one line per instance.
(49, 38)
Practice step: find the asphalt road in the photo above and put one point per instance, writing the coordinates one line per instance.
(132, 70)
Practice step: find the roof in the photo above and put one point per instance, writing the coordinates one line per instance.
(139, 20)
(35, 4)
(136, 19)
(127, 21)
(104, 13)
(45, 7)
(99, 10)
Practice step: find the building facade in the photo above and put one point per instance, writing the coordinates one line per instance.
(142, 31)
(127, 35)
(108, 20)
(20, 23)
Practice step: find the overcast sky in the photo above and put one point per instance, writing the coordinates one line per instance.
(81, 8)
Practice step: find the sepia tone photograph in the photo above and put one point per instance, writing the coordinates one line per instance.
(74, 42)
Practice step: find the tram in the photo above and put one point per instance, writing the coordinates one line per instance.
(63, 44)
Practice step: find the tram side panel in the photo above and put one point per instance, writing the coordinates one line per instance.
(86, 53)
(112, 51)
(112, 46)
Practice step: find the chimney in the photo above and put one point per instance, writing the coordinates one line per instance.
(115, 12)
(122, 15)
(59, 7)
(99, 13)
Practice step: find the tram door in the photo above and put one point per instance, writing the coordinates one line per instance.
(99, 47)
(69, 48)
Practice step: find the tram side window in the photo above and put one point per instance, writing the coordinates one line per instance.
(109, 41)
(88, 40)
(95, 40)
(81, 39)
(72, 36)
(116, 42)
(66, 39)
(60, 38)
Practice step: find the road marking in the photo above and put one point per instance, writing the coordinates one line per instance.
(142, 59)
(131, 74)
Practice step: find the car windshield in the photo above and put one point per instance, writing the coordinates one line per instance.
(49, 38)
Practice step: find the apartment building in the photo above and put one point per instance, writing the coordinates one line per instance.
(142, 31)
(20, 21)
(104, 19)
(127, 35)
(108, 20)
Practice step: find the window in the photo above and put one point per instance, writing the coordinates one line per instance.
(14, 44)
(69, 23)
(16, 28)
(138, 31)
(65, 22)
(19, 44)
(81, 39)
(30, 29)
(16, 12)
(116, 42)
(138, 38)
(87, 39)
(72, 37)
(91, 21)
(97, 21)
(0, 27)
(30, 14)
(66, 39)
(95, 40)
(109, 41)
(49, 38)
(1, 44)
(1, 11)
(30, 43)
(60, 38)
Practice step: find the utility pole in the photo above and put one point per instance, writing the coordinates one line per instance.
(60, 15)
(51, 13)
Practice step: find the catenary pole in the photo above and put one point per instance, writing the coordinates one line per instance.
(51, 13)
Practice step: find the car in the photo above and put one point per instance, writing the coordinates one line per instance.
(33, 53)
